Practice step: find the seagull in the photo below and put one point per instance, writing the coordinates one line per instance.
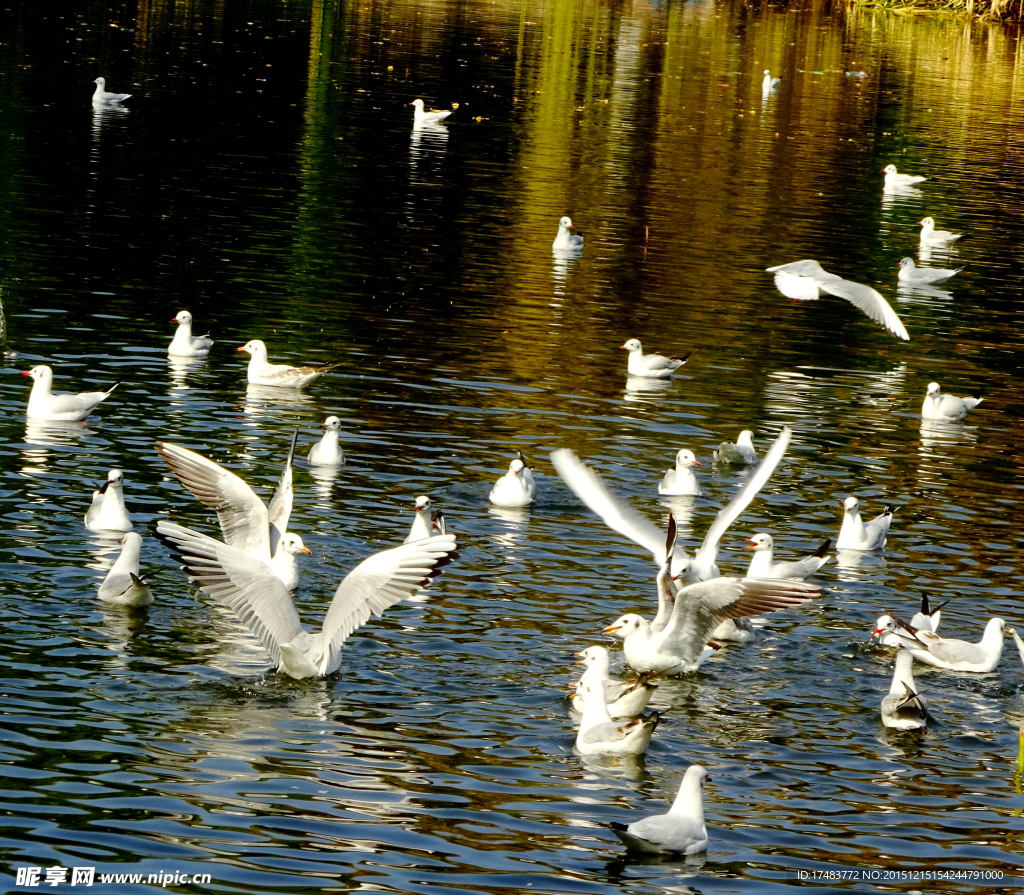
(955, 655)
(107, 511)
(246, 522)
(804, 280)
(895, 180)
(925, 620)
(913, 275)
(1019, 642)
(564, 240)
(681, 830)
(932, 237)
(433, 116)
(43, 404)
(856, 534)
(761, 565)
(769, 83)
(184, 343)
(599, 735)
(904, 708)
(621, 517)
(261, 372)
(947, 408)
(516, 488)
(251, 589)
(425, 524)
(740, 454)
(681, 480)
(651, 366)
(625, 699)
(123, 584)
(100, 97)
(326, 451)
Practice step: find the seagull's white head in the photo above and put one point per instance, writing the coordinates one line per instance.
(40, 373)
(907, 264)
(292, 543)
(851, 504)
(698, 774)
(516, 466)
(332, 422)
(889, 169)
(115, 478)
(132, 542)
(256, 348)
(746, 438)
(767, 71)
(885, 624)
(632, 345)
(624, 626)
(565, 223)
(933, 389)
(422, 503)
(182, 317)
(927, 223)
(593, 655)
(685, 458)
(760, 542)
(418, 103)
(102, 82)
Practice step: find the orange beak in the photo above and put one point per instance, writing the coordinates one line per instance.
(611, 629)
(241, 349)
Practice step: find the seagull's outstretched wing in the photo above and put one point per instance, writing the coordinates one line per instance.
(870, 301)
(280, 509)
(240, 581)
(376, 584)
(243, 516)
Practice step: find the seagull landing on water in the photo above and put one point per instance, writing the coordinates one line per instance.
(769, 83)
(100, 97)
(954, 655)
(43, 404)
(805, 280)
(856, 534)
(564, 240)
(913, 275)
(651, 366)
(947, 408)
(184, 343)
(681, 830)
(932, 237)
(107, 511)
(432, 116)
(895, 180)
(262, 372)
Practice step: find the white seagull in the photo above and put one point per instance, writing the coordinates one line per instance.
(123, 584)
(1019, 642)
(599, 735)
(245, 521)
(681, 480)
(740, 454)
(621, 517)
(248, 586)
(421, 116)
(625, 699)
(107, 511)
(932, 237)
(100, 97)
(516, 488)
(327, 452)
(805, 280)
(947, 408)
(564, 240)
(426, 523)
(903, 708)
(925, 620)
(681, 830)
(184, 343)
(954, 655)
(651, 366)
(895, 180)
(913, 275)
(761, 565)
(769, 83)
(856, 534)
(261, 372)
(43, 404)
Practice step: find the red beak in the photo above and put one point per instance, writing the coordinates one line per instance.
(26, 372)
(240, 349)
(696, 462)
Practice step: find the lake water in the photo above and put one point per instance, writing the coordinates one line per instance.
(265, 176)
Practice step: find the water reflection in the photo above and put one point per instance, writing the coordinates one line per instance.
(180, 367)
(46, 434)
(930, 296)
(644, 389)
(267, 400)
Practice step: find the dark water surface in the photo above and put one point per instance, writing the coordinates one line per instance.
(265, 177)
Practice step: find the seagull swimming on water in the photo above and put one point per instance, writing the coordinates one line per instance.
(913, 275)
(44, 404)
(516, 488)
(564, 240)
(262, 372)
(651, 366)
(107, 511)
(100, 97)
(425, 523)
(433, 116)
(927, 619)
(681, 480)
(769, 83)
(761, 565)
(806, 280)
(600, 735)
(679, 831)
(947, 408)
(856, 534)
(184, 343)
(932, 237)
(327, 452)
(903, 708)
(954, 655)
(625, 699)
(741, 453)
(895, 180)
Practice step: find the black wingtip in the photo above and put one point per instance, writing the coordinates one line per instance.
(924, 604)
(115, 385)
(823, 549)
(615, 825)
(889, 509)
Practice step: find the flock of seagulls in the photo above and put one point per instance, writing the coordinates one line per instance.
(253, 569)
